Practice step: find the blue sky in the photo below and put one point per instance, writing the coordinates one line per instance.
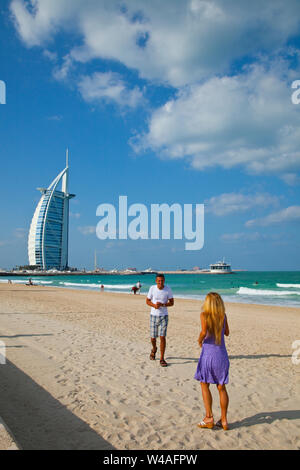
(180, 102)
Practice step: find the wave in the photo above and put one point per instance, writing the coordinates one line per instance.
(118, 286)
(16, 281)
(42, 282)
(106, 286)
(248, 291)
(24, 281)
(79, 284)
(287, 285)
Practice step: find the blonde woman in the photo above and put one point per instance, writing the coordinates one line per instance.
(213, 365)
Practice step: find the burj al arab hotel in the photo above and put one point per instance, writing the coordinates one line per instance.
(49, 229)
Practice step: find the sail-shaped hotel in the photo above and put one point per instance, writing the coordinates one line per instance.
(49, 229)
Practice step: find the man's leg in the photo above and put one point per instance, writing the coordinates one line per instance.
(163, 341)
(154, 349)
(162, 347)
(153, 335)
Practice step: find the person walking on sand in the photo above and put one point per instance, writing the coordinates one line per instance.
(159, 298)
(139, 286)
(134, 289)
(213, 365)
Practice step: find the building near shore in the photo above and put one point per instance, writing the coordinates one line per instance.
(49, 230)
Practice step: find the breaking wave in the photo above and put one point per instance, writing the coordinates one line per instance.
(288, 285)
(249, 291)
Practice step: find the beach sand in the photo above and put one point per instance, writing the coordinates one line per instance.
(6, 439)
(78, 374)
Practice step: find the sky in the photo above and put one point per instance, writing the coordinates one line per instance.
(181, 101)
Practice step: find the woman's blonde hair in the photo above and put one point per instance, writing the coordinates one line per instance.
(214, 313)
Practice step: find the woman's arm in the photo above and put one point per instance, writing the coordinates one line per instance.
(226, 331)
(203, 330)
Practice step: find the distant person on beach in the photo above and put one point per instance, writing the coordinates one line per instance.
(213, 365)
(30, 283)
(159, 298)
(134, 289)
(139, 286)
(9, 281)
(102, 287)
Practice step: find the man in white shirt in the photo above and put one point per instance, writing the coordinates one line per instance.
(159, 298)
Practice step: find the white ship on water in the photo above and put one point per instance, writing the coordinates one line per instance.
(220, 268)
(149, 271)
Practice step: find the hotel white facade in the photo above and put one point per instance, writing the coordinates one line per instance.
(49, 230)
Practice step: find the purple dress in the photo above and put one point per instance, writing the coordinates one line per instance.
(213, 365)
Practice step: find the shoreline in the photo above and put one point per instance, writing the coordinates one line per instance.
(176, 296)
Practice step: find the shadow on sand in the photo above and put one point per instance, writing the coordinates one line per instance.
(188, 360)
(266, 418)
(23, 336)
(37, 420)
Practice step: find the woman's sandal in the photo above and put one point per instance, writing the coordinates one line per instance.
(220, 425)
(204, 425)
(163, 363)
(152, 354)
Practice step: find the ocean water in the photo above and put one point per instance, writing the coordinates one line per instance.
(268, 288)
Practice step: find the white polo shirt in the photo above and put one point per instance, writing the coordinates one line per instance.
(159, 295)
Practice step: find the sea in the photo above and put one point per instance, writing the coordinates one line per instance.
(280, 288)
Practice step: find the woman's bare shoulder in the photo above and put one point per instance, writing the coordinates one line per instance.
(203, 316)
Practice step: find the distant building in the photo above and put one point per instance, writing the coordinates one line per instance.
(49, 229)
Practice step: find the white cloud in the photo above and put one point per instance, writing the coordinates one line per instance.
(229, 203)
(289, 214)
(246, 121)
(57, 117)
(50, 55)
(233, 237)
(109, 87)
(216, 119)
(292, 179)
(61, 73)
(87, 229)
(174, 41)
(20, 232)
(75, 215)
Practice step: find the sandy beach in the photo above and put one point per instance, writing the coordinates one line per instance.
(78, 374)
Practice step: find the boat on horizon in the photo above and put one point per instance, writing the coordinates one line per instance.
(220, 268)
(148, 271)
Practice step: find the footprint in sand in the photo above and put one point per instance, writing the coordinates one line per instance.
(154, 403)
